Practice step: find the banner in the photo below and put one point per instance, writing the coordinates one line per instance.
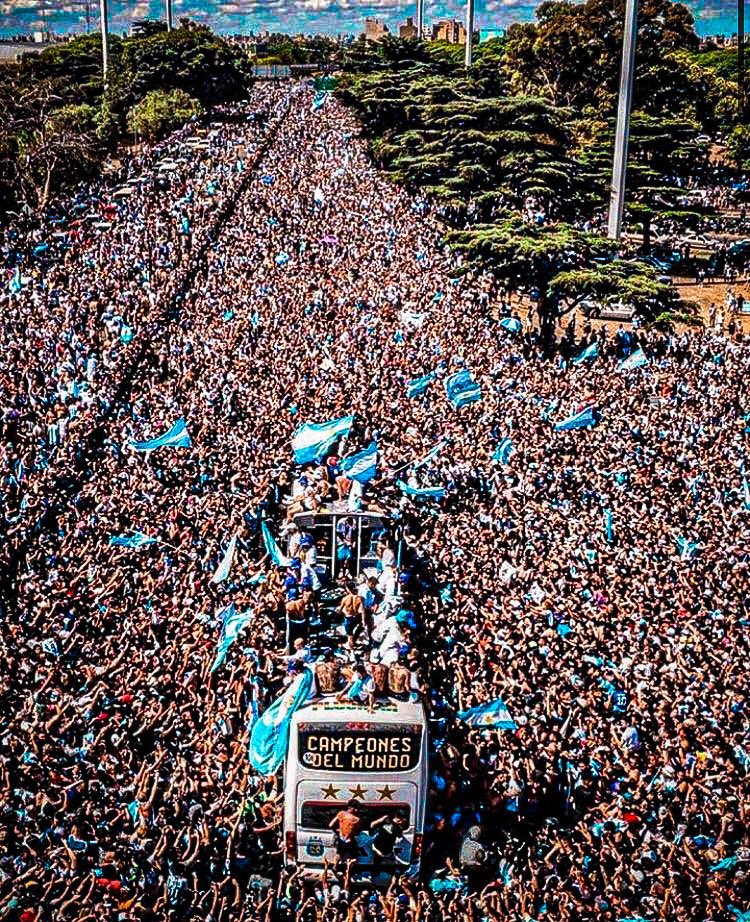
(462, 389)
(222, 571)
(272, 548)
(234, 622)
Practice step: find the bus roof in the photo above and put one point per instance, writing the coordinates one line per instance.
(389, 711)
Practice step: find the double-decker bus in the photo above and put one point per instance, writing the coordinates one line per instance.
(340, 752)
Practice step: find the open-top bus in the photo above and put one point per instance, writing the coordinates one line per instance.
(340, 752)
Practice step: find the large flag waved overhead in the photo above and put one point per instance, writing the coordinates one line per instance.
(636, 359)
(362, 466)
(421, 492)
(176, 437)
(222, 571)
(234, 621)
(272, 548)
(269, 736)
(136, 540)
(580, 420)
(492, 714)
(588, 355)
(312, 440)
(418, 386)
(462, 389)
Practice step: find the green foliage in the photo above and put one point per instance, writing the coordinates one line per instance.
(159, 112)
(738, 146)
(55, 110)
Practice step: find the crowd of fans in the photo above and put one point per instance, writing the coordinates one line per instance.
(594, 579)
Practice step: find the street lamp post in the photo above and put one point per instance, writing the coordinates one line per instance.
(469, 31)
(741, 59)
(622, 132)
(420, 20)
(104, 23)
(170, 16)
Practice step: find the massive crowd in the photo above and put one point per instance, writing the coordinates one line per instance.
(594, 578)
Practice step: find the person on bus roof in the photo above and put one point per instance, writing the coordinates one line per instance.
(361, 687)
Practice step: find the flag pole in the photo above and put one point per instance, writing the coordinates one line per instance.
(469, 32)
(104, 24)
(622, 132)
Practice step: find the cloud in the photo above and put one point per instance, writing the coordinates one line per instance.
(298, 15)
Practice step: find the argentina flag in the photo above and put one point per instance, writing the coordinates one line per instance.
(272, 548)
(587, 417)
(16, 282)
(269, 736)
(176, 437)
(362, 466)
(418, 386)
(492, 714)
(588, 355)
(222, 571)
(636, 359)
(234, 622)
(688, 549)
(462, 389)
(421, 492)
(431, 454)
(511, 324)
(503, 451)
(312, 440)
(136, 540)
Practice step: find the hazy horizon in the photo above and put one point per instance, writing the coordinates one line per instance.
(293, 16)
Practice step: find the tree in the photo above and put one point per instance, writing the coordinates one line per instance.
(738, 146)
(43, 138)
(159, 112)
(572, 54)
(561, 266)
(663, 154)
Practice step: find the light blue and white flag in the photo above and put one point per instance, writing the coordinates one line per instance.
(462, 389)
(319, 101)
(503, 451)
(176, 437)
(608, 525)
(492, 714)
(430, 456)
(272, 548)
(362, 466)
(16, 282)
(222, 571)
(269, 736)
(746, 492)
(687, 549)
(588, 355)
(312, 440)
(636, 359)
(49, 645)
(136, 540)
(234, 622)
(580, 420)
(421, 492)
(511, 324)
(418, 386)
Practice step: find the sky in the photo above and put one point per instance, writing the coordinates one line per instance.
(332, 16)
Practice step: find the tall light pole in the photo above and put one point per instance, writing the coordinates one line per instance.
(741, 59)
(420, 20)
(469, 31)
(104, 24)
(622, 132)
(170, 16)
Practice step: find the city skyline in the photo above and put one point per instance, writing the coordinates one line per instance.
(293, 16)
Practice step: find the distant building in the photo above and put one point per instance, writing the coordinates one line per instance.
(375, 30)
(449, 30)
(407, 30)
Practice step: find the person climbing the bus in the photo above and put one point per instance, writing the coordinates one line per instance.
(387, 833)
(347, 825)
